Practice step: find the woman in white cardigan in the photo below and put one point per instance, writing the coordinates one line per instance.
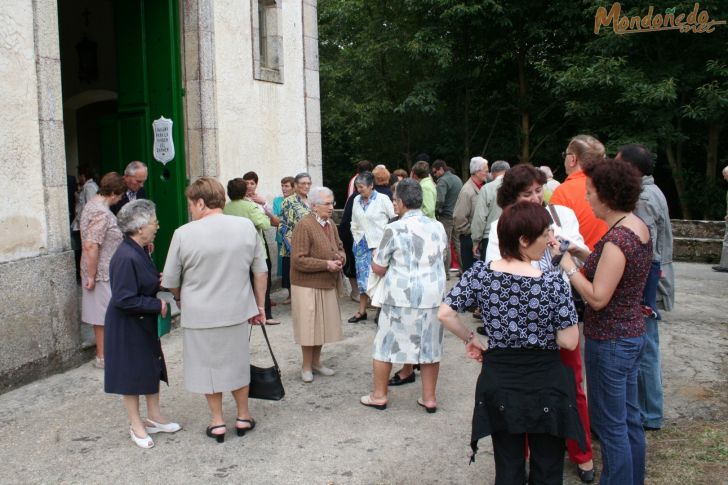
(371, 213)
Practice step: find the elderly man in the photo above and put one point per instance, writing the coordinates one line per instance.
(723, 265)
(652, 209)
(465, 208)
(448, 187)
(135, 175)
(486, 209)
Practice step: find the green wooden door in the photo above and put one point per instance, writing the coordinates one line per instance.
(150, 86)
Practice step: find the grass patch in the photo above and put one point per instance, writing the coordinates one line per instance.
(689, 451)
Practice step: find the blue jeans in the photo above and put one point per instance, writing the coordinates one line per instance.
(649, 380)
(611, 375)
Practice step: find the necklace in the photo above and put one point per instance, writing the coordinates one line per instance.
(618, 221)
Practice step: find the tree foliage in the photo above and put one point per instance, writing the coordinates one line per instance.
(515, 80)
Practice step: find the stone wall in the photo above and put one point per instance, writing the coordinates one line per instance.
(697, 241)
(39, 312)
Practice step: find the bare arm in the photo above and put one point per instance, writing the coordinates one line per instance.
(568, 338)
(379, 270)
(91, 249)
(260, 281)
(451, 321)
(609, 272)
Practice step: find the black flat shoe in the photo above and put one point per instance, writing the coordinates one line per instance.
(358, 317)
(720, 269)
(398, 381)
(242, 431)
(586, 476)
(219, 437)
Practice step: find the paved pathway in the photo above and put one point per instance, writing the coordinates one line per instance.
(64, 429)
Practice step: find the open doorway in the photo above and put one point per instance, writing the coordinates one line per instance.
(120, 70)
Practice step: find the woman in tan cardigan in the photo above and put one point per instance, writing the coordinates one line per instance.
(316, 261)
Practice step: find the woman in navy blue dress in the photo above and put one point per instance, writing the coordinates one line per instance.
(134, 359)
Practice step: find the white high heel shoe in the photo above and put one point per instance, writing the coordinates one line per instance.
(162, 428)
(146, 442)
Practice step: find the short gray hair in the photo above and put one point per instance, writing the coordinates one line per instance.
(316, 195)
(364, 178)
(500, 166)
(547, 170)
(300, 176)
(409, 192)
(134, 167)
(477, 163)
(135, 215)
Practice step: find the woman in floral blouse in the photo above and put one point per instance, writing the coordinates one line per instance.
(293, 208)
(100, 236)
(523, 388)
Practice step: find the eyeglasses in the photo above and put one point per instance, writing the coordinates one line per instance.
(330, 204)
(564, 153)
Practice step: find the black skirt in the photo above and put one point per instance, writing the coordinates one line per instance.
(525, 391)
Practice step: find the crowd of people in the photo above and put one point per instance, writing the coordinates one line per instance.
(534, 257)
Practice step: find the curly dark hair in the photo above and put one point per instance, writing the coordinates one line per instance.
(618, 183)
(515, 181)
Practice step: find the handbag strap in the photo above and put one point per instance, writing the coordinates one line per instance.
(554, 215)
(270, 349)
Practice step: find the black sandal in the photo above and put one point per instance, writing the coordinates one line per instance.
(358, 317)
(242, 431)
(219, 437)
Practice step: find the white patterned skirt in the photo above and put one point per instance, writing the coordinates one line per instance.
(408, 336)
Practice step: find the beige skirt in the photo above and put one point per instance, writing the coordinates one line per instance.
(216, 359)
(316, 316)
(94, 303)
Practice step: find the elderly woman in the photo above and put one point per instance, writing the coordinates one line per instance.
(614, 326)
(410, 259)
(523, 388)
(316, 262)
(100, 236)
(371, 212)
(208, 268)
(134, 359)
(526, 183)
(293, 208)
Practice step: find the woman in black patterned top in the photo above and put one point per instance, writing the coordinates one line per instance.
(523, 387)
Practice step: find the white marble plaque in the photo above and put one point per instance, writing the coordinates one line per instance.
(163, 143)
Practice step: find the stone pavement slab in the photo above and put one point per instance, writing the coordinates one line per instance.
(64, 429)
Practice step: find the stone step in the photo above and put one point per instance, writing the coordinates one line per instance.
(697, 250)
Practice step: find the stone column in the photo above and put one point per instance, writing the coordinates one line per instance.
(200, 91)
(311, 91)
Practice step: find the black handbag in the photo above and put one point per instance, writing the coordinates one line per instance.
(265, 382)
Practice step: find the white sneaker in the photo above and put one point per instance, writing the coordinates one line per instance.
(306, 376)
(162, 428)
(324, 371)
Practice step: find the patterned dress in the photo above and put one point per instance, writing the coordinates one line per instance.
(98, 225)
(413, 250)
(293, 208)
